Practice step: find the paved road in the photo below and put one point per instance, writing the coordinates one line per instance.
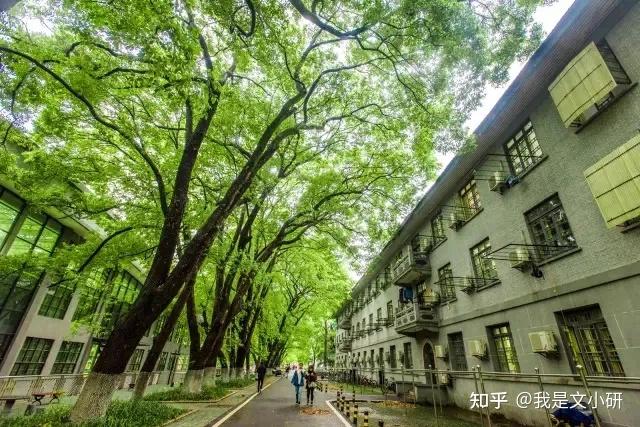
(276, 407)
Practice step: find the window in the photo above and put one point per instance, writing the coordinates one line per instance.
(445, 282)
(550, 228)
(372, 358)
(456, 352)
(523, 150)
(506, 359)
(38, 233)
(392, 357)
(67, 358)
(469, 199)
(162, 362)
(437, 226)
(483, 268)
(123, 292)
(390, 310)
(10, 208)
(90, 295)
(32, 356)
(136, 360)
(371, 326)
(379, 313)
(408, 357)
(159, 324)
(94, 352)
(588, 341)
(57, 300)
(588, 84)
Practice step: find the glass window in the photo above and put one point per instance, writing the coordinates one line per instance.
(38, 233)
(90, 295)
(371, 326)
(183, 363)
(123, 292)
(94, 352)
(32, 356)
(588, 342)
(10, 208)
(67, 358)
(163, 361)
(136, 360)
(523, 150)
(392, 357)
(550, 228)
(390, 310)
(506, 359)
(408, 357)
(437, 226)
(483, 268)
(469, 198)
(445, 282)
(57, 300)
(379, 313)
(456, 352)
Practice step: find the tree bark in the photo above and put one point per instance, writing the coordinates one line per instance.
(161, 339)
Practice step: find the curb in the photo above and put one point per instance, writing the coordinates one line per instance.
(179, 417)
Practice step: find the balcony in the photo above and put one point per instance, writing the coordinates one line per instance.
(414, 319)
(412, 265)
(344, 344)
(344, 321)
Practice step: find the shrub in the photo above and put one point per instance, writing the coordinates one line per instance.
(207, 393)
(119, 414)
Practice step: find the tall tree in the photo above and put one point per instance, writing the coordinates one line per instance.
(159, 94)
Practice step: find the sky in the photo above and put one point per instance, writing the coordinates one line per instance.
(548, 16)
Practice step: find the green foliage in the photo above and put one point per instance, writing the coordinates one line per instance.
(119, 414)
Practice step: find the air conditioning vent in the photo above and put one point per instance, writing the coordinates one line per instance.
(440, 351)
(477, 348)
(520, 259)
(543, 342)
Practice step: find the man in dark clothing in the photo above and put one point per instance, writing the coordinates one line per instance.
(261, 371)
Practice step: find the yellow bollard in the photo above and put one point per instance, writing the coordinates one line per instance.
(380, 423)
(348, 410)
(355, 414)
(365, 422)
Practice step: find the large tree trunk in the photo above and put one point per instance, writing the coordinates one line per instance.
(161, 339)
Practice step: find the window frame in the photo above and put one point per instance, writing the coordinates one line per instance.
(135, 362)
(408, 355)
(393, 361)
(437, 226)
(457, 353)
(32, 357)
(67, 358)
(531, 219)
(478, 262)
(445, 283)
(503, 356)
(516, 142)
(589, 318)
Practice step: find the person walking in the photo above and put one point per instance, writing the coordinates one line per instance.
(261, 371)
(311, 381)
(297, 379)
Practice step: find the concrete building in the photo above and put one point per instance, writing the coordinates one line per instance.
(43, 322)
(525, 253)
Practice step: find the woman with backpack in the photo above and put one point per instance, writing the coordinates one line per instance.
(311, 383)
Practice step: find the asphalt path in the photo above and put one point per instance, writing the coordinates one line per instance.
(276, 406)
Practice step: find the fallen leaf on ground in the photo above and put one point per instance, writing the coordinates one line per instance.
(314, 411)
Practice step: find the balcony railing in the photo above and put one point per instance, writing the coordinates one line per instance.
(344, 344)
(344, 321)
(413, 265)
(414, 319)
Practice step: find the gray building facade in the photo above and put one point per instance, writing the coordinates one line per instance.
(50, 327)
(525, 253)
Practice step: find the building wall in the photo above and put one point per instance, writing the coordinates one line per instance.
(605, 270)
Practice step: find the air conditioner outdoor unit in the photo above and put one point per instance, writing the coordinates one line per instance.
(543, 342)
(477, 348)
(444, 378)
(520, 259)
(498, 181)
(440, 351)
(456, 220)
